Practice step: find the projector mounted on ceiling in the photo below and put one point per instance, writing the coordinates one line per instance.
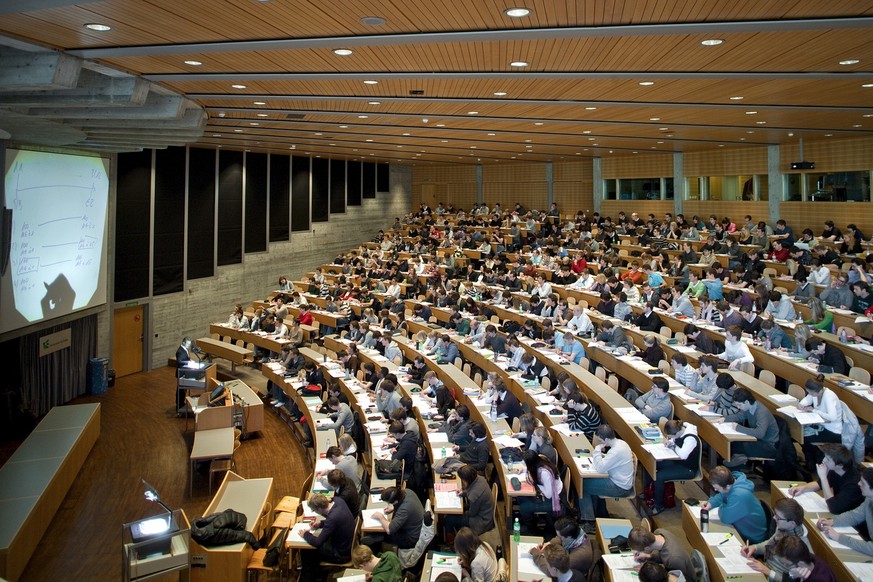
(802, 165)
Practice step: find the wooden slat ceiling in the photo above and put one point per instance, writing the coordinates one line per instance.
(586, 63)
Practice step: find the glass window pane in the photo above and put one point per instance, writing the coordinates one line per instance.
(793, 187)
(692, 188)
(838, 186)
(668, 189)
(763, 187)
(639, 188)
(609, 190)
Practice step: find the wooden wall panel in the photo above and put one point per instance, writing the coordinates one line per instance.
(575, 171)
(643, 207)
(638, 166)
(462, 195)
(443, 174)
(447, 184)
(726, 162)
(831, 155)
(515, 172)
(574, 196)
(532, 195)
(800, 215)
(733, 209)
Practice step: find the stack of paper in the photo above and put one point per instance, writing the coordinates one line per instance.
(632, 415)
(661, 452)
(527, 568)
(563, 428)
(727, 428)
(368, 522)
(444, 563)
(507, 441)
(448, 500)
(620, 561)
(734, 562)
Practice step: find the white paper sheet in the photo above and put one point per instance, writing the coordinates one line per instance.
(525, 561)
(811, 502)
(863, 570)
(661, 452)
(721, 539)
(448, 500)
(620, 561)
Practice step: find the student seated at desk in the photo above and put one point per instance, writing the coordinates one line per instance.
(477, 558)
(827, 404)
(735, 496)
(479, 512)
(661, 546)
(406, 515)
(652, 571)
(798, 562)
(555, 561)
(735, 350)
(655, 403)
(863, 514)
(648, 320)
(544, 476)
(698, 339)
(723, 402)
(773, 336)
(683, 372)
(344, 461)
(703, 384)
(788, 515)
(613, 336)
(507, 403)
(652, 353)
(385, 568)
(340, 417)
(572, 538)
(334, 391)
(387, 398)
(342, 486)
(581, 415)
(683, 440)
(572, 348)
(613, 457)
(476, 452)
(334, 540)
(827, 356)
(838, 479)
(753, 419)
(457, 426)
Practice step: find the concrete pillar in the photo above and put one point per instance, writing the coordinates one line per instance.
(597, 179)
(678, 182)
(775, 183)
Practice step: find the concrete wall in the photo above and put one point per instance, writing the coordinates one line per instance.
(205, 301)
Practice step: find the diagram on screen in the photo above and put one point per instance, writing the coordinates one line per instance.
(58, 220)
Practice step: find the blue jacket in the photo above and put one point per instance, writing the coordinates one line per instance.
(741, 509)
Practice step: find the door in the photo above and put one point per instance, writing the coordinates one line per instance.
(127, 337)
(429, 194)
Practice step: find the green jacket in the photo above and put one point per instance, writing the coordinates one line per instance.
(388, 569)
(463, 327)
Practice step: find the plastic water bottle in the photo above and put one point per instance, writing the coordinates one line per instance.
(704, 520)
(516, 531)
(493, 411)
(844, 338)
(767, 343)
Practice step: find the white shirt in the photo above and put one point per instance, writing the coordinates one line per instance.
(829, 408)
(737, 351)
(580, 323)
(394, 290)
(617, 462)
(820, 276)
(582, 282)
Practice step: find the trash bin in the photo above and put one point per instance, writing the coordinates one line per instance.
(98, 375)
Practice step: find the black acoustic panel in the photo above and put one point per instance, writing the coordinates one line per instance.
(132, 221)
(168, 271)
(353, 183)
(337, 186)
(256, 203)
(299, 194)
(201, 213)
(382, 181)
(320, 194)
(230, 207)
(280, 197)
(369, 180)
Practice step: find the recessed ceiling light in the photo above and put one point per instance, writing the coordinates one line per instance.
(587, 131)
(444, 141)
(857, 125)
(829, 135)
(98, 27)
(591, 138)
(333, 144)
(440, 124)
(867, 115)
(407, 134)
(373, 20)
(737, 98)
(363, 116)
(368, 140)
(371, 82)
(254, 123)
(867, 85)
(237, 130)
(216, 135)
(528, 140)
(238, 86)
(659, 142)
(342, 52)
(538, 123)
(260, 103)
(193, 63)
(519, 12)
(790, 135)
(742, 139)
(663, 129)
(761, 122)
(472, 113)
(344, 126)
(721, 145)
(750, 132)
(222, 114)
(472, 147)
(654, 119)
(319, 134)
(712, 42)
(850, 62)
(518, 64)
(751, 113)
(646, 83)
(262, 114)
(500, 93)
(590, 108)
(492, 134)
